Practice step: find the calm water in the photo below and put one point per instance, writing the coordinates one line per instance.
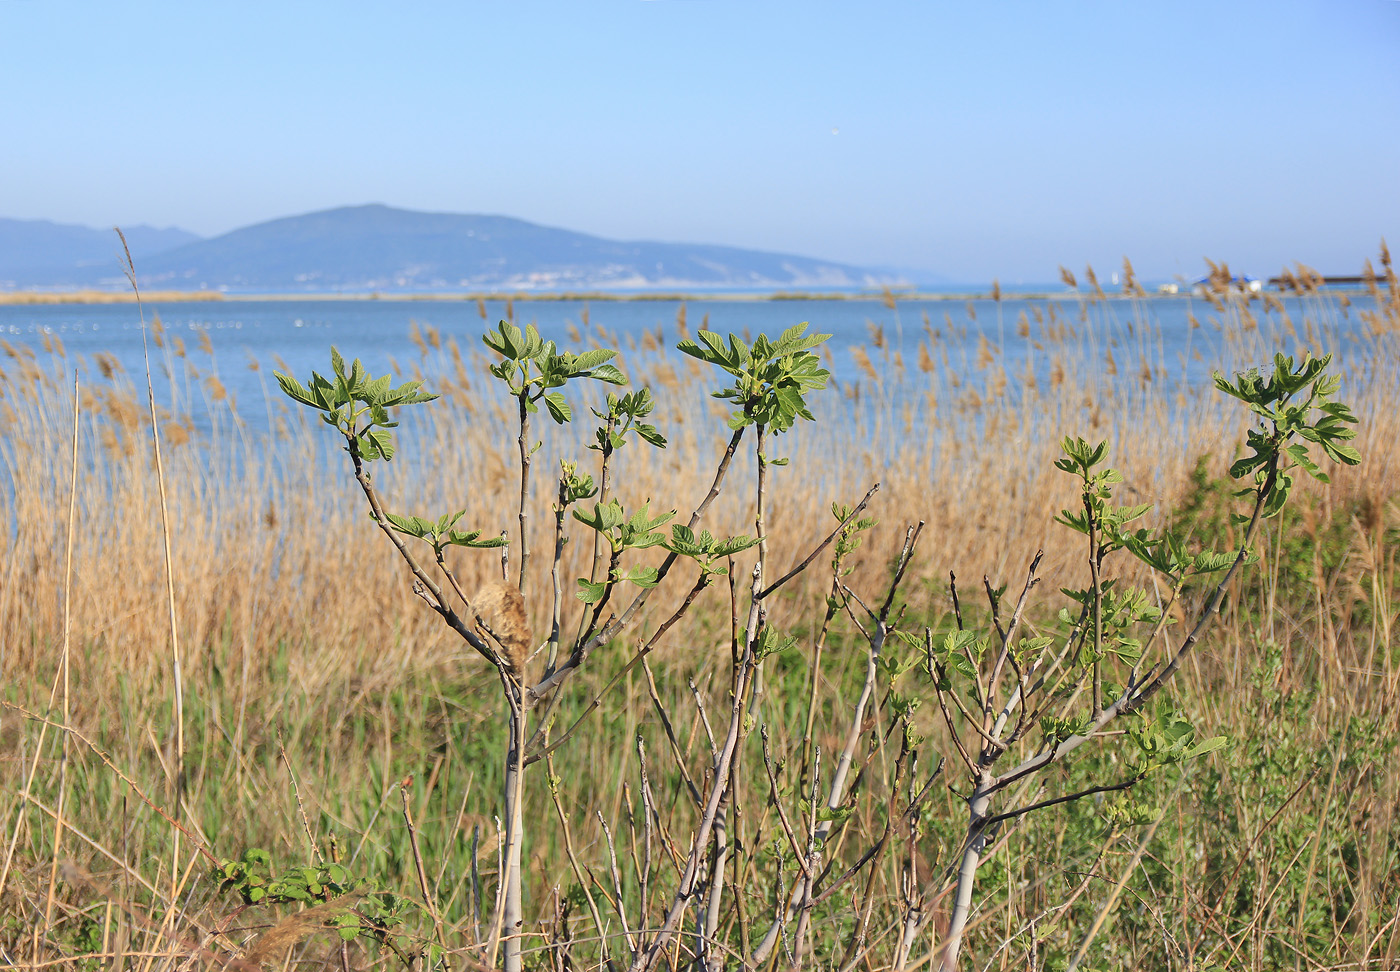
(1156, 331)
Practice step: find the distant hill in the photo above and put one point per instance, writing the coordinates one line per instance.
(36, 252)
(374, 247)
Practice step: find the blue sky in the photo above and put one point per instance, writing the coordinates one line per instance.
(971, 140)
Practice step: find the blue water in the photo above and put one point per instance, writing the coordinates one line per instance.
(298, 333)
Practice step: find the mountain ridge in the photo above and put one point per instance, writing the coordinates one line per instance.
(46, 252)
(376, 247)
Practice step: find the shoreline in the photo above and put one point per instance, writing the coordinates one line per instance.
(22, 297)
(26, 297)
(33, 297)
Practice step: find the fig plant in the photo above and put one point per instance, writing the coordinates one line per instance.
(771, 378)
(1012, 703)
(1037, 700)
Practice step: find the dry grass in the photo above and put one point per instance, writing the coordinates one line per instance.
(103, 296)
(296, 619)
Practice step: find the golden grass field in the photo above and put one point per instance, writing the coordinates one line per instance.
(314, 680)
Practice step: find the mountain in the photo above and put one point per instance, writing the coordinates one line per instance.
(374, 247)
(36, 252)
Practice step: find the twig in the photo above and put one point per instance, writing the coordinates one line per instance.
(620, 904)
(1008, 649)
(777, 802)
(418, 863)
(296, 792)
(641, 653)
(704, 719)
(671, 735)
(573, 857)
(439, 599)
(806, 561)
(1067, 798)
(652, 818)
(804, 910)
(524, 443)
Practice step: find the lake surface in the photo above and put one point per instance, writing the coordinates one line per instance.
(1156, 333)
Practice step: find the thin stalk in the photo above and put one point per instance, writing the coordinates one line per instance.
(423, 887)
(802, 889)
(429, 589)
(708, 919)
(64, 665)
(604, 485)
(573, 858)
(524, 443)
(1096, 592)
(832, 606)
(557, 605)
(812, 862)
(178, 714)
(650, 821)
(509, 922)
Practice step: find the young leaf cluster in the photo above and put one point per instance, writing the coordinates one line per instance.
(533, 368)
(1169, 740)
(771, 378)
(574, 486)
(621, 533)
(705, 549)
(849, 538)
(251, 877)
(1315, 418)
(621, 416)
(771, 642)
(353, 398)
(1166, 553)
(439, 533)
(957, 651)
(1082, 459)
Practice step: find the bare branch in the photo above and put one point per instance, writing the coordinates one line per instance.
(671, 735)
(439, 601)
(806, 561)
(1068, 798)
(778, 803)
(906, 554)
(1007, 636)
(642, 651)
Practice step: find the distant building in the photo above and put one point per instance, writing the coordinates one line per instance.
(1243, 283)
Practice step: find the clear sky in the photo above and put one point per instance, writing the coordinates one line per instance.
(972, 140)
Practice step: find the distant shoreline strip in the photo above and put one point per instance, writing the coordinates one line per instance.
(21, 297)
